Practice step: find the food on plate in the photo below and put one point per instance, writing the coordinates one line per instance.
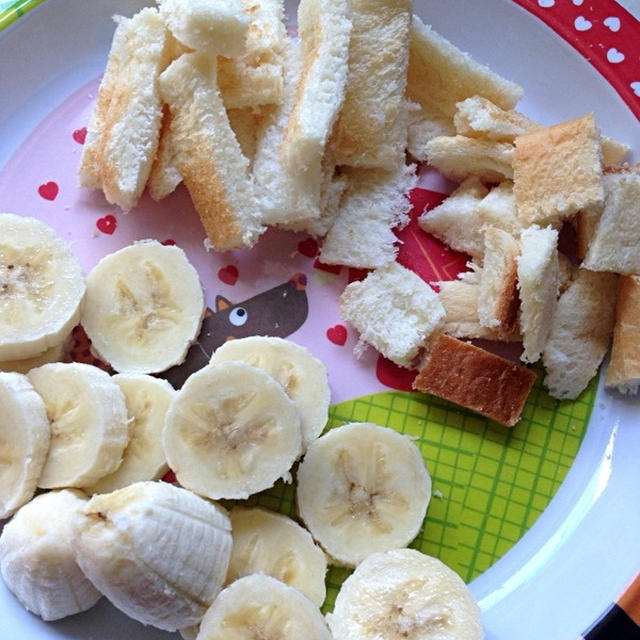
(231, 431)
(24, 365)
(362, 488)
(89, 423)
(25, 436)
(403, 593)
(159, 553)
(474, 378)
(623, 372)
(273, 544)
(395, 311)
(144, 307)
(41, 288)
(302, 376)
(261, 606)
(147, 400)
(37, 560)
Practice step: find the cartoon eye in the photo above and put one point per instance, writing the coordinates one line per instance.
(238, 316)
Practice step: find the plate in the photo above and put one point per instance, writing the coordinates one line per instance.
(526, 515)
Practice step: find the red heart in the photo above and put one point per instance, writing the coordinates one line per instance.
(48, 191)
(80, 135)
(228, 274)
(308, 248)
(107, 224)
(168, 242)
(337, 334)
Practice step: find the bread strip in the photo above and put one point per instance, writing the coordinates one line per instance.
(476, 379)
(623, 372)
(165, 176)
(208, 155)
(424, 125)
(498, 209)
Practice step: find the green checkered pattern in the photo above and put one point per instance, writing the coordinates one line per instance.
(490, 483)
(11, 11)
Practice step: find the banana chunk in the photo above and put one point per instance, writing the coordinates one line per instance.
(24, 365)
(405, 595)
(147, 399)
(159, 553)
(144, 307)
(362, 488)
(259, 606)
(41, 288)
(89, 424)
(24, 441)
(37, 561)
(303, 376)
(231, 431)
(270, 543)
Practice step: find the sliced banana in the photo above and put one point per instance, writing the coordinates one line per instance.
(147, 399)
(41, 288)
(54, 354)
(231, 431)
(36, 557)
(362, 488)
(303, 377)
(270, 543)
(259, 606)
(405, 595)
(158, 552)
(144, 307)
(24, 441)
(89, 423)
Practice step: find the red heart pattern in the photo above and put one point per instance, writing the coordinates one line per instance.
(308, 247)
(337, 334)
(107, 224)
(228, 274)
(48, 190)
(80, 135)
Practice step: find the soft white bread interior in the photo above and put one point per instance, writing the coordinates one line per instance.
(165, 175)
(498, 209)
(395, 311)
(424, 125)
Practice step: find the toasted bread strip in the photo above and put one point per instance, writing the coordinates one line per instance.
(395, 311)
(208, 155)
(476, 379)
(580, 333)
(366, 133)
(623, 372)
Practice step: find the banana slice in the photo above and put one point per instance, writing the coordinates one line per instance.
(362, 488)
(147, 399)
(36, 558)
(41, 288)
(54, 354)
(231, 431)
(158, 552)
(405, 595)
(303, 377)
(24, 441)
(89, 423)
(270, 543)
(144, 307)
(259, 606)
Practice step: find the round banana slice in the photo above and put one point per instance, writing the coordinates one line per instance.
(259, 606)
(36, 557)
(405, 595)
(362, 488)
(89, 423)
(144, 307)
(147, 399)
(24, 441)
(303, 376)
(231, 431)
(158, 552)
(270, 543)
(41, 288)
(54, 354)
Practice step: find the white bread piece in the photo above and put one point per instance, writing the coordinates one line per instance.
(538, 283)
(614, 153)
(208, 155)
(623, 372)
(123, 134)
(458, 157)
(366, 133)
(558, 171)
(457, 222)
(424, 125)
(395, 312)
(615, 245)
(566, 273)
(246, 123)
(374, 204)
(580, 333)
(165, 175)
(498, 300)
(211, 26)
(498, 209)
